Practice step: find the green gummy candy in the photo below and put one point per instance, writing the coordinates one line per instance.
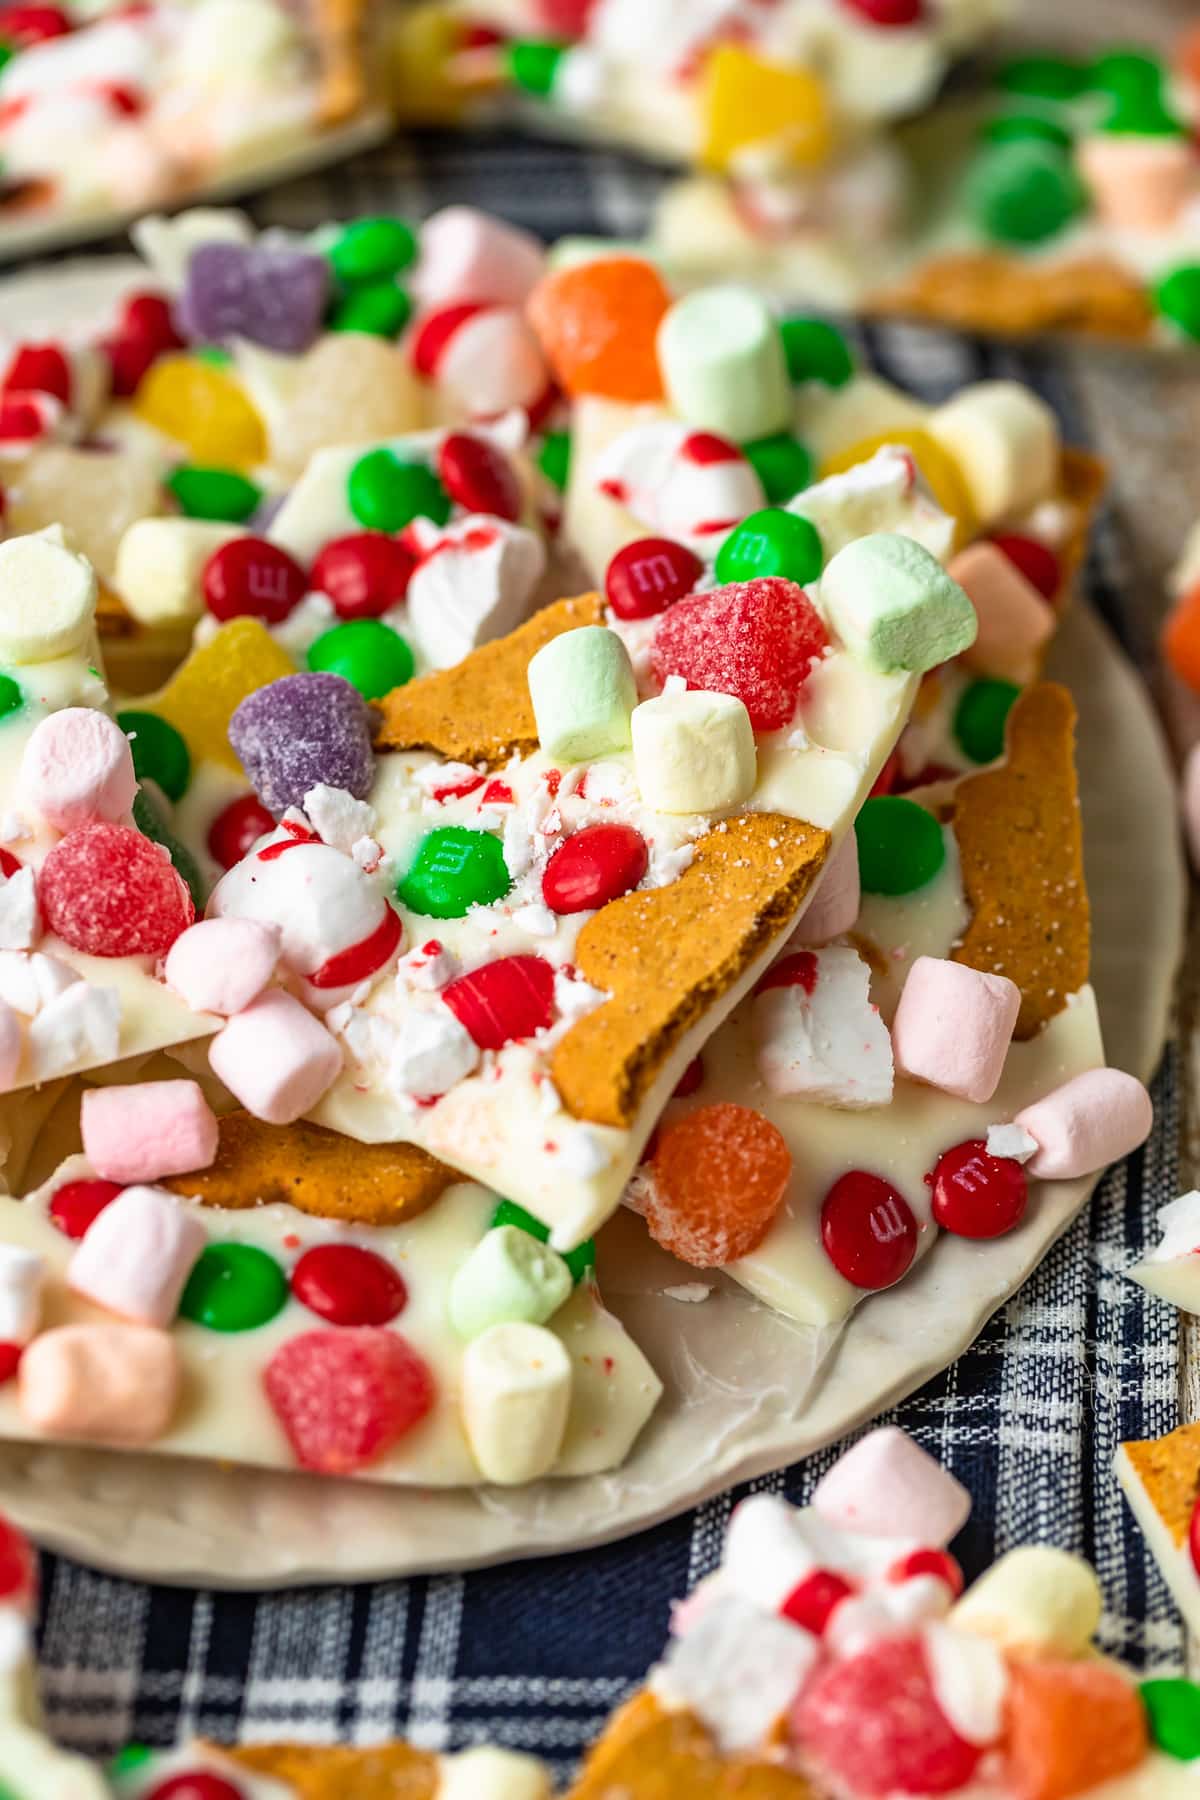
(366, 653)
(771, 542)
(159, 752)
(981, 716)
(900, 845)
(220, 494)
(580, 1260)
(509, 1277)
(554, 458)
(454, 869)
(386, 494)
(583, 691)
(894, 606)
(379, 308)
(370, 249)
(1173, 1710)
(1044, 78)
(1177, 297)
(1024, 191)
(782, 464)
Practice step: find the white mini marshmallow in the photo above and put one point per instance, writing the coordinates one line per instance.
(476, 584)
(134, 1260)
(821, 1038)
(970, 1681)
(20, 920)
(887, 1486)
(883, 494)
(1005, 441)
(79, 1029)
(516, 1394)
(693, 752)
(47, 598)
(159, 565)
(10, 1045)
(276, 1058)
(767, 1552)
(337, 817)
(220, 965)
(22, 1278)
(893, 1609)
(432, 1052)
(738, 1669)
(1010, 1141)
(29, 980)
(487, 1774)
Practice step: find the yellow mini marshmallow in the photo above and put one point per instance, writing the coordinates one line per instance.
(47, 598)
(159, 565)
(1035, 1602)
(516, 1392)
(1006, 444)
(694, 752)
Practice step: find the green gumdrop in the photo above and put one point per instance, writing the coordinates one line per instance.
(366, 653)
(12, 697)
(581, 1260)
(980, 718)
(534, 65)
(1011, 128)
(1173, 1710)
(782, 464)
(1024, 191)
(148, 822)
(554, 458)
(771, 542)
(454, 869)
(234, 1287)
(386, 494)
(159, 751)
(370, 249)
(1044, 78)
(379, 308)
(816, 351)
(900, 845)
(1177, 297)
(220, 494)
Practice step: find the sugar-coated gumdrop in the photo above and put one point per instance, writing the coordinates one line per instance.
(344, 1398)
(976, 1195)
(594, 866)
(504, 1000)
(236, 828)
(1071, 1727)
(351, 388)
(348, 1285)
(205, 691)
(204, 409)
(869, 1230)
(195, 1784)
(719, 1176)
(747, 99)
(364, 574)
(266, 294)
(812, 1601)
(300, 732)
(648, 576)
(872, 1721)
(598, 323)
(753, 639)
(938, 1563)
(76, 1205)
(478, 476)
(1036, 561)
(108, 891)
(251, 577)
(18, 1568)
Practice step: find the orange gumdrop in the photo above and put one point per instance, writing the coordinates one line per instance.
(1071, 1726)
(719, 1178)
(1181, 638)
(598, 323)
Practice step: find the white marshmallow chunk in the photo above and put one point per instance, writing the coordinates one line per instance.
(826, 1042)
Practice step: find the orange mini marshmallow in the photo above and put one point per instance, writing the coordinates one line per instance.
(1138, 183)
(116, 1384)
(1014, 620)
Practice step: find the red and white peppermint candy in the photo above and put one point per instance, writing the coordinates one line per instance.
(474, 583)
(486, 359)
(27, 419)
(687, 485)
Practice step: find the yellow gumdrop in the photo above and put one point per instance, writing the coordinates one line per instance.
(204, 409)
(941, 472)
(746, 100)
(205, 691)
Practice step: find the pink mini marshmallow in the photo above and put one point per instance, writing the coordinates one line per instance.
(135, 1259)
(1015, 622)
(468, 255)
(221, 965)
(116, 1384)
(78, 767)
(1090, 1121)
(1138, 183)
(143, 1132)
(887, 1486)
(953, 1027)
(10, 1045)
(275, 1058)
(836, 903)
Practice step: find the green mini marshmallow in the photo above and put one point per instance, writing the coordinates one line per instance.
(509, 1278)
(723, 364)
(894, 606)
(583, 693)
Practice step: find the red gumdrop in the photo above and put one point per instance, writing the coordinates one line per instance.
(873, 1722)
(478, 476)
(1036, 561)
(938, 1563)
(593, 866)
(76, 1205)
(10, 1360)
(237, 828)
(345, 1397)
(18, 1568)
(108, 891)
(504, 1000)
(752, 639)
(39, 369)
(25, 25)
(648, 576)
(811, 1602)
(797, 970)
(887, 12)
(251, 577)
(1194, 1537)
(364, 574)
(690, 1082)
(196, 1784)
(976, 1195)
(868, 1230)
(349, 1285)
(435, 331)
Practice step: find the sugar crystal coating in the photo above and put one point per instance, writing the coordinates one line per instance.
(301, 731)
(107, 890)
(753, 639)
(345, 1397)
(719, 1180)
(273, 297)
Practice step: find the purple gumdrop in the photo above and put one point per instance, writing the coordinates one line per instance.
(301, 730)
(273, 297)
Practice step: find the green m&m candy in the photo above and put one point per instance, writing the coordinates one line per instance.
(234, 1287)
(454, 869)
(386, 494)
(534, 65)
(379, 308)
(366, 653)
(980, 718)
(1125, 73)
(1010, 128)
(1173, 1711)
(781, 463)
(371, 249)
(159, 751)
(554, 458)
(1044, 78)
(1177, 297)
(814, 350)
(6, 54)
(1142, 115)
(900, 845)
(579, 1260)
(771, 542)
(148, 822)
(12, 697)
(133, 1756)
(220, 494)
(1024, 191)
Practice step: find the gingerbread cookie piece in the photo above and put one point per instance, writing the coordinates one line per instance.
(983, 291)
(1168, 1471)
(648, 1753)
(341, 27)
(390, 1772)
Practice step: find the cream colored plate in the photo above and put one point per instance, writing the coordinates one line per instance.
(727, 1414)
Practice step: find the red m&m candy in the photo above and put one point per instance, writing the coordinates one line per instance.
(811, 1602)
(976, 1195)
(478, 476)
(344, 1398)
(196, 1784)
(504, 1000)
(349, 1285)
(39, 369)
(869, 1230)
(1036, 561)
(235, 829)
(648, 576)
(593, 866)
(9, 864)
(364, 574)
(76, 1205)
(251, 577)
(107, 890)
